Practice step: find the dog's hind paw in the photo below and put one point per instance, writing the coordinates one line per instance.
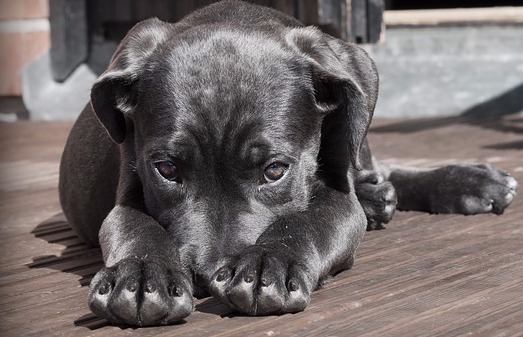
(140, 293)
(261, 282)
(377, 197)
(472, 189)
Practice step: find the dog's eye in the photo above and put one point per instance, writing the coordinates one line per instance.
(274, 171)
(168, 170)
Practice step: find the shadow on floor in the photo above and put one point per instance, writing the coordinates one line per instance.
(501, 113)
(76, 258)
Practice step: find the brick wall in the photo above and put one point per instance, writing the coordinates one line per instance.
(24, 34)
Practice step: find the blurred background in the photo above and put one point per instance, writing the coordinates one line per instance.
(435, 57)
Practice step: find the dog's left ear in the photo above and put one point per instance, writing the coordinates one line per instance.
(344, 77)
(114, 95)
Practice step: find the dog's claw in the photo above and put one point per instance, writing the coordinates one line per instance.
(265, 282)
(104, 289)
(176, 291)
(149, 288)
(293, 285)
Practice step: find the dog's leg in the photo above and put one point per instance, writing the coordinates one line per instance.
(142, 283)
(464, 188)
(280, 271)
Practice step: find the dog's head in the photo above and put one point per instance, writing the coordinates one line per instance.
(234, 127)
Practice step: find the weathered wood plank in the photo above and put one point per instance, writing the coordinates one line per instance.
(438, 275)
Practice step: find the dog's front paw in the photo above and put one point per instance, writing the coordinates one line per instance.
(377, 197)
(262, 281)
(140, 292)
(473, 189)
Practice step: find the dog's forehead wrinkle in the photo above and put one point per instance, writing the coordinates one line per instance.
(239, 140)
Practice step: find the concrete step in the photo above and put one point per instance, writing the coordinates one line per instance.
(446, 70)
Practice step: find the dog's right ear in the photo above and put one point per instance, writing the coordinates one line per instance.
(345, 88)
(114, 94)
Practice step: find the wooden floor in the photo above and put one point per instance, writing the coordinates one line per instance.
(425, 275)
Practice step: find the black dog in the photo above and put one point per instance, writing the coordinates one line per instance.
(241, 169)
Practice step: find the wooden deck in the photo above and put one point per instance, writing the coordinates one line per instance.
(425, 275)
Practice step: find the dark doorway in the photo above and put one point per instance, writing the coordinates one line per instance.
(432, 4)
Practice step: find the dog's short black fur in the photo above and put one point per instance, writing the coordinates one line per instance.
(226, 154)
